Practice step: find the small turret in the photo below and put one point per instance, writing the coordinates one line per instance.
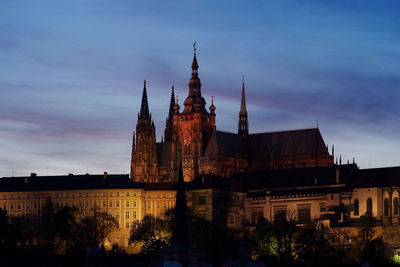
(212, 107)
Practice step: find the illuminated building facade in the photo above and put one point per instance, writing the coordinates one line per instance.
(190, 135)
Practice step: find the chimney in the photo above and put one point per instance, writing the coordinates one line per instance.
(26, 180)
(33, 174)
(70, 174)
(105, 175)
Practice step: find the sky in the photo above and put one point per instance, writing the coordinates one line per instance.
(71, 75)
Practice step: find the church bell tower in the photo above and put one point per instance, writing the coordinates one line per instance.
(193, 126)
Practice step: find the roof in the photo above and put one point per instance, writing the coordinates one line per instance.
(268, 145)
(377, 177)
(286, 143)
(290, 179)
(67, 182)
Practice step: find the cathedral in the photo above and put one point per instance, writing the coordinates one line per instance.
(191, 135)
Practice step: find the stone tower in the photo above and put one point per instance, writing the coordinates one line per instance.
(193, 127)
(144, 150)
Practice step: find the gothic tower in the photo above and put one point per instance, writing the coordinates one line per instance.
(243, 129)
(170, 120)
(193, 127)
(144, 151)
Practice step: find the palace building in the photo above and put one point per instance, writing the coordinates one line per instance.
(192, 136)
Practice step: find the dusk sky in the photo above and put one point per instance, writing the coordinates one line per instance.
(71, 75)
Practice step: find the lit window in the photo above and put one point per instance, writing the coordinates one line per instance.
(356, 207)
(369, 205)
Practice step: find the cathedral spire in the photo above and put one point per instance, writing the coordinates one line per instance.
(170, 119)
(171, 107)
(243, 121)
(194, 102)
(144, 108)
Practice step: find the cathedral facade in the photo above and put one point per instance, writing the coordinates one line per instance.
(191, 136)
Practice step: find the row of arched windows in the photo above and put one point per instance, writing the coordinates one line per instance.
(395, 206)
(357, 206)
(385, 206)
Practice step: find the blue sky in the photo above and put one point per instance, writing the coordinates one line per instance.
(71, 75)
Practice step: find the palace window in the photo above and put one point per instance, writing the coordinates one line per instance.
(304, 213)
(127, 194)
(396, 206)
(117, 215)
(134, 214)
(256, 214)
(110, 204)
(117, 204)
(127, 214)
(386, 207)
(134, 203)
(369, 205)
(202, 200)
(356, 207)
(127, 204)
(127, 225)
(280, 214)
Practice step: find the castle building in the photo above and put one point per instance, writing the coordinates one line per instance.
(191, 135)
(276, 175)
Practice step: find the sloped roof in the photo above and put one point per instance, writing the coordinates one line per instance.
(268, 145)
(286, 143)
(300, 177)
(66, 182)
(223, 143)
(378, 177)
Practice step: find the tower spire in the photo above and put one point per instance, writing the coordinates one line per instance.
(170, 119)
(243, 120)
(171, 107)
(144, 107)
(194, 102)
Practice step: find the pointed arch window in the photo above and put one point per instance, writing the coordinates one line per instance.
(356, 207)
(396, 206)
(386, 207)
(369, 205)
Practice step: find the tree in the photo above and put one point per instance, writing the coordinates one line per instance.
(65, 222)
(366, 224)
(47, 226)
(94, 227)
(154, 234)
